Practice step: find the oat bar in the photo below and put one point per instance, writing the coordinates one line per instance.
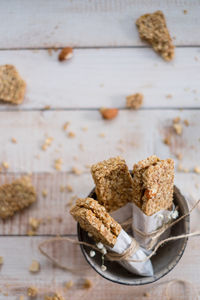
(153, 181)
(16, 196)
(93, 218)
(12, 86)
(114, 184)
(153, 29)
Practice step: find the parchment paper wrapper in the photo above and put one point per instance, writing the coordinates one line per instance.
(148, 224)
(141, 268)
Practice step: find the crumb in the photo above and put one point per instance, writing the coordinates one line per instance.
(1, 260)
(176, 120)
(47, 143)
(76, 171)
(186, 122)
(44, 193)
(69, 188)
(169, 96)
(102, 135)
(34, 267)
(66, 125)
(32, 291)
(84, 128)
(146, 294)
(65, 54)
(178, 128)
(87, 284)
(167, 140)
(5, 165)
(108, 113)
(34, 223)
(56, 296)
(185, 11)
(47, 107)
(12, 85)
(58, 163)
(181, 169)
(13, 140)
(134, 101)
(71, 134)
(69, 284)
(179, 156)
(197, 170)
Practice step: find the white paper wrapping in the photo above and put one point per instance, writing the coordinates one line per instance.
(148, 224)
(141, 268)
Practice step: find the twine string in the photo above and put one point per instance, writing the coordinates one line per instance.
(184, 283)
(131, 250)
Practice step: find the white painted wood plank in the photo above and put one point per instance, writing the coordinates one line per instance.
(15, 277)
(104, 77)
(91, 23)
(133, 134)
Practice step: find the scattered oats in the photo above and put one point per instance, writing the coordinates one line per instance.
(69, 188)
(13, 140)
(81, 147)
(71, 134)
(181, 169)
(34, 267)
(179, 156)
(32, 291)
(56, 296)
(134, 101)
(62, 188)
(103, 268)
(102, 135)
(1, 260)
(169, 96)
(92, 253)
(176, 120)
(197, 170)
(44, 193)
(186, 122)
(178, 128)
(5, 165)
(66, 125)
(58, 163)
(146, 294)
(84, 128)
(76, 171)
(167, 140)
(185, 11)
(69, 284)
(87, 284)
(34, 223)
(65, 54)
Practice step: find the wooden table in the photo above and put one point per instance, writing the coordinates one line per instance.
(109, 63)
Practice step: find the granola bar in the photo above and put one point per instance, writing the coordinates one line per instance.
(12, 86)
(153, 181)
(16, 196)
(93, 218)
(153, 29)
(114, 184)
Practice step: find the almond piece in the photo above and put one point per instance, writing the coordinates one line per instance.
(65, 54)
(109, 113)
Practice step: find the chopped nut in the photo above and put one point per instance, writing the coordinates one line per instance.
(69, 188)
(34, 267)
(197, 170)
(186, 122)
(76, 171)
(71, 134)
(1, 260)
(65, 54)
(13, 140)
(134, 101)
(109, 113)
(69, 284)
(5, 165)
(178, 128)
(34, 223)
(176, 120)
(44, 193)
(66, 125)
(32, 291)
(87, 284)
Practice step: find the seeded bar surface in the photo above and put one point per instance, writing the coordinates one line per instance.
(94, 219)
(114, 184)
(153, 181)
(16, 196)
(12, 86)
(153, 29)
